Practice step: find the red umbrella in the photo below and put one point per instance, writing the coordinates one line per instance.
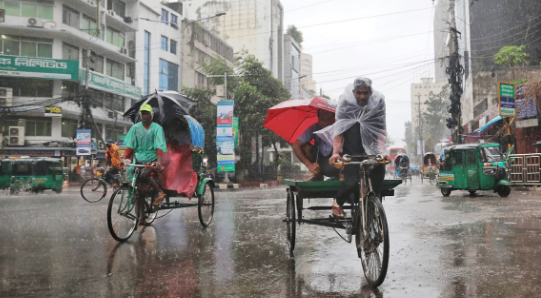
(291, 118)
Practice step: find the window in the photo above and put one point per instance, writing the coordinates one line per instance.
(96, 62)
(201, 80)
(38, 127)
(70, 52)
(43, 10)
(117, 6)
(112, 132)
(165, 16)
(70, 17)
(26, 46)
(168, 76)
(115, 69)
(69, 128)
(115, 37)
(174, 21)
(69, 88)
(28, 87)
(89, 26)
(164, 43)
(173, 47)
(146, 64)
(13, 8)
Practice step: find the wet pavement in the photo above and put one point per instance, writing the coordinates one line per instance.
(458, 246)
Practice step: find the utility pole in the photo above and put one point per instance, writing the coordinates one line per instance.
(455, 71)
(420, 122)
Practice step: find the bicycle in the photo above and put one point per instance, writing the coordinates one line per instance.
(94, 189)
(369, 222)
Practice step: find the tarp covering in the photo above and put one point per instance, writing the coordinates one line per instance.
(178, 174)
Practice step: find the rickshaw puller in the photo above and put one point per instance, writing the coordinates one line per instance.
(146, 141)
(316, 157)
(360, 129)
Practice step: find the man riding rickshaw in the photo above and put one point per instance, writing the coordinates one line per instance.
(402, 167)
(430, 167)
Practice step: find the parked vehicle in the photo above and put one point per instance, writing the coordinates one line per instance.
(475, 167)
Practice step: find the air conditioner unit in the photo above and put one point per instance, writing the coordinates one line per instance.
(6, 97)
(124, 51)
(35, 22)
(16, 136)
(112, 12)
(91, 2)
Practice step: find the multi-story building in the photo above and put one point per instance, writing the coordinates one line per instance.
(159, 46)
(199, 47)
(420, 93)
(292, 73)
(255, 26)
(43, 61)
(307, 83)
(441, 49)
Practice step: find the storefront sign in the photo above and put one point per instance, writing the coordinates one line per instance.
(83, 142)
(506, 96)
(526, 108)
(53, 112)
(225, 139)
(107, 84)
(42, 68)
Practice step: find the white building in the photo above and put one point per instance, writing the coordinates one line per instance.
(255, 26)
(307, 83)
(292, 73)
(43, 50)
(420, 93)
(158, 45)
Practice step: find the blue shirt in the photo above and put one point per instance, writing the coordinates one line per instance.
(324, 148)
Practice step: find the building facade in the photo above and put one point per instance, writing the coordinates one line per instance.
(199, 47)
(292, 73)
(307, 83)
(255, 26)
(43, 69)
(158, 47)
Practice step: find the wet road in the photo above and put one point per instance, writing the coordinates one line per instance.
(460, 246)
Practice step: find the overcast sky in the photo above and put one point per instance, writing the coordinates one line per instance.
(389, 41)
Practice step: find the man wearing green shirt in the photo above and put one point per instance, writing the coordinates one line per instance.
(146, 141)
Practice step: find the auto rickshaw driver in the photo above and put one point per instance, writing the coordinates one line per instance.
(146, 141)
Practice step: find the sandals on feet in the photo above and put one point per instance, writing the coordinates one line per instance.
(159, 200)
(337, 211)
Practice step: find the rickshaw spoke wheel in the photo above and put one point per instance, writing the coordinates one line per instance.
(373, 247)
(205, 206)
(121, 214)
(150, 213)
(93, 190)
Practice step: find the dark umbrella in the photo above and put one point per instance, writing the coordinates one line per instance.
(167, 106)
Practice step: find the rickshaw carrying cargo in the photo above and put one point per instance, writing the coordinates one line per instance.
(475, 167)
(430, 168)
(181, 178)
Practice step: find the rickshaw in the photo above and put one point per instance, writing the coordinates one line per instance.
(402, 168)
(367, 221)
(182, 178)
(6, 166)
(430, 168)
(475, 167)
(21, 175)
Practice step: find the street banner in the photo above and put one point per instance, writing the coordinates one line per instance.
(420, 147)
(83, 142)
(526, 107)
(236, 131)
(507, 99)
(40, 68)
(108, 84)
(94, 148)
(225, 139)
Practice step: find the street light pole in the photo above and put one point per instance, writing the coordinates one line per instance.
(300, 88)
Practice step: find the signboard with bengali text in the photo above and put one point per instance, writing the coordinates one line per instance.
(40, 68)
(224, 137)
(507, 99)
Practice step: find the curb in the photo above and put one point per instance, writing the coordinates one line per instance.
(222, 186)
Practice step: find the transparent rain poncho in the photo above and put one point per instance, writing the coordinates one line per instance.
(371, 118)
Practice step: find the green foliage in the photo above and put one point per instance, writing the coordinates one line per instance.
(285, 167)
(434, 117)
(520, 82)
(295, 33)
(511, 56)
(409, 139)
(325, 96)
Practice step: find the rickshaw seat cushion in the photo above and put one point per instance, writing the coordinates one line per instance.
(179, 174)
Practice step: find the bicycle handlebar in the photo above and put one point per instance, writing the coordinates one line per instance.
(346, 159)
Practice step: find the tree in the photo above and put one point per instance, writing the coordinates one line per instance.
(434, 116)
(295, 33)
(511, 56)
(409, 139)
(325, 96)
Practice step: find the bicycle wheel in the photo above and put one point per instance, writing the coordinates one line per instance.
(290, 220)
(121, 214)
(373, 248)
(150, 213)
(93, 190)
(205, 206)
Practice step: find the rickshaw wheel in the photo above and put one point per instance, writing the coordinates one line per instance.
(150, 213)
(373, 248)
(445, 192)
(58, 191)
(290, 220)
(93, 190)
(504, 191)
(121, 214)
(205, 206)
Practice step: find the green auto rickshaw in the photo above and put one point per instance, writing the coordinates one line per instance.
(36, 174)
(5, 172)
(475, 167)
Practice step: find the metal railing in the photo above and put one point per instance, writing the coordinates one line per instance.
(526, 169)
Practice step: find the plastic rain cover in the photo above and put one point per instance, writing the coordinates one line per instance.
(371, 118)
